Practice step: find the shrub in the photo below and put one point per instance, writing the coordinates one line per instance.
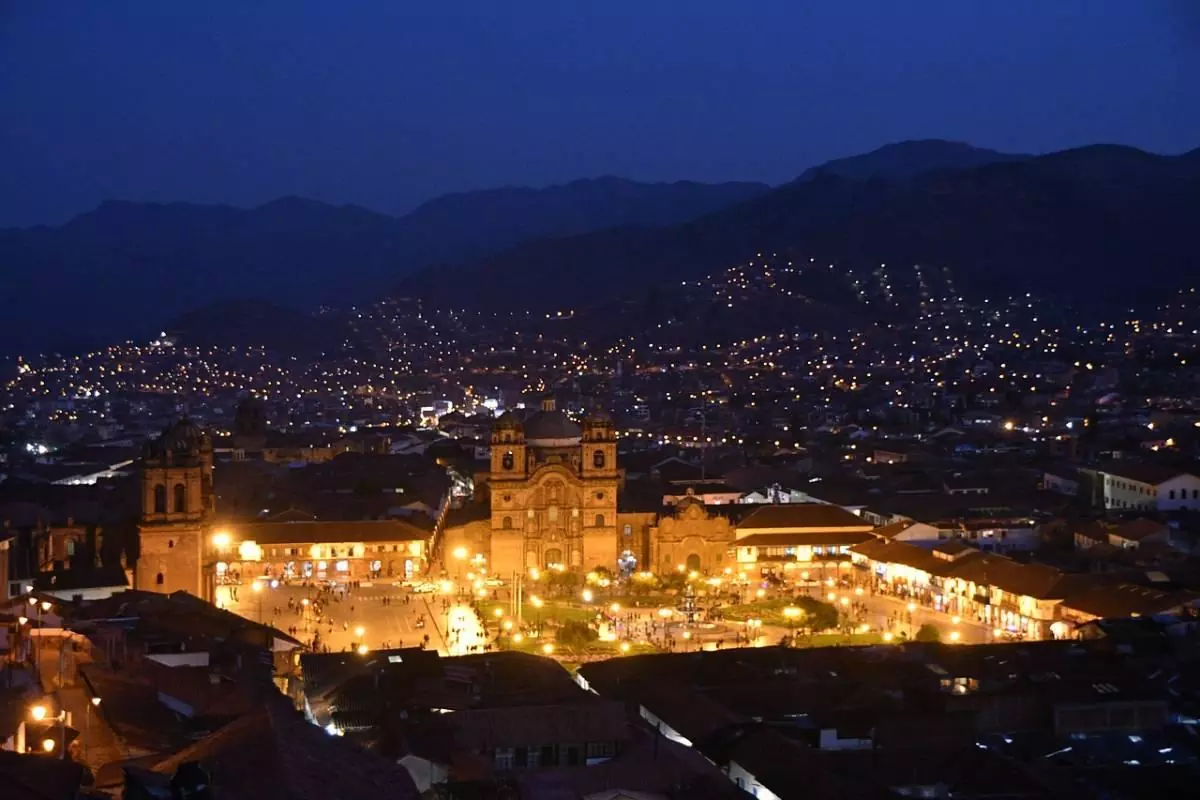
(928, 633)
(818, 615)
(576, 634)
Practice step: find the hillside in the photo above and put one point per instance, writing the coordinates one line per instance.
(909, 159)
(1077, 223)
(125, 269)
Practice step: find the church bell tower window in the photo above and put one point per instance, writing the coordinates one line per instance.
(507, 461)
(598, 459)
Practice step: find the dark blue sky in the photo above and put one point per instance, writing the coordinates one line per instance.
(388, 102)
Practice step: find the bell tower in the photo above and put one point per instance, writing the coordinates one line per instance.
(599, 443)
(176, 511)
(508, 449)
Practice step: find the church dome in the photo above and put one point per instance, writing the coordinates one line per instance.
(550, 425)
(181, 437)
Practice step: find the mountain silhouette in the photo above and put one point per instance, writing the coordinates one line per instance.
(125, 269)
(911, 158)
(1078, 223)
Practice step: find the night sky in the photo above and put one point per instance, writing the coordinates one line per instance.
(386, 103)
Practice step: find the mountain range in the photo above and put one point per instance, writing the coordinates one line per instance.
(1090, 224)
(126, 269)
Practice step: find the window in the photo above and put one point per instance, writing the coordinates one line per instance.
(507, 461)
(629, 530)
(533, 756)
(504, 758)
(180, 505)
(599, 749)
(159, 580)
(506, 523)
(600, 496)
(170, 544)
(598, 459)
(1172, 495)
(599, 520)
(160, 499)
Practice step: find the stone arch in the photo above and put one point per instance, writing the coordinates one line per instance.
(507, 461)
(554, 555)
(598, 459)
(692, 562)
(599, 520)
(179, 505)
(506, 523)
(160, 499)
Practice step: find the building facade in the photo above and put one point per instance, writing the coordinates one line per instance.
(553, 492)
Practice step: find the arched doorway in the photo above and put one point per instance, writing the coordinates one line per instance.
(553, 556)
(693, 562)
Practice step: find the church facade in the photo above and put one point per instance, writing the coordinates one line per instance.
(553, 497)
(553, 492)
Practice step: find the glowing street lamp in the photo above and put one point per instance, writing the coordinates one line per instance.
(587, 595)
(360, 631)
(363, 649)
(38, 712)
(221, 541)
(48, 745)
(547, 648)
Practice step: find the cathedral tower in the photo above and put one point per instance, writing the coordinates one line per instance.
(177, 507)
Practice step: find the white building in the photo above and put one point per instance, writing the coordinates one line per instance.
(1145, 487)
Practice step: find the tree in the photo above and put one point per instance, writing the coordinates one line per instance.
(576, 635)
(928, 633)
(818, 615)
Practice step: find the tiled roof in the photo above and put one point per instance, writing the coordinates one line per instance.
(803, 515)
(816, 539)
(1141, 471)
(1126, 600)
(371, 530)
(483, 730)
(275, 753)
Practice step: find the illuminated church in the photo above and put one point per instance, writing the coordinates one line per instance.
(553, 490)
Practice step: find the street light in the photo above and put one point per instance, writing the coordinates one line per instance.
(87, 741)
(360, 631)
(363, 649)
(48, 745)
(587, 595)
(547, 648)
(38, 712)
(221, 540)
(257, 588)
(792, 613)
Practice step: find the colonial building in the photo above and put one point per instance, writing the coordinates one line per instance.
(780, 535)
(553, 491)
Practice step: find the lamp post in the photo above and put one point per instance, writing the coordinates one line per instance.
(538, 603)
(792, 613)
(257, 588)
(87, 741)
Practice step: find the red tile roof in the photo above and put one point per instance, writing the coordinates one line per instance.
(803, 515)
